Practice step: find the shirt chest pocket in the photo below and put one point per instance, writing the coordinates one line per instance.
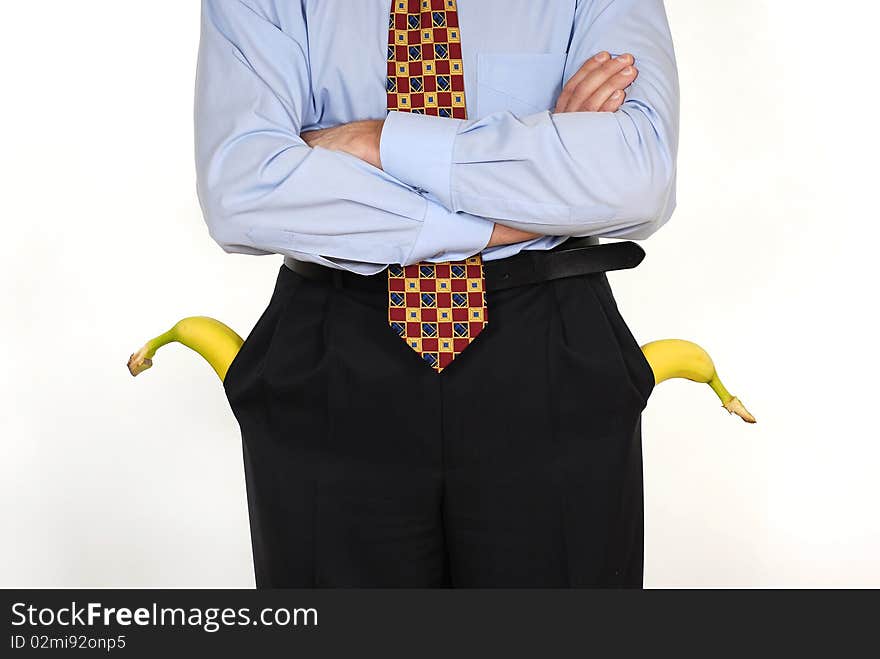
(523, 83)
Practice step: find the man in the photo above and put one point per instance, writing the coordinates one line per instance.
(441, 390)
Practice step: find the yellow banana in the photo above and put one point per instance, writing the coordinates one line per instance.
(218, 344)
(213, 340)
(676, 358)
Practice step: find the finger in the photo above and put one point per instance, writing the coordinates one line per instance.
(616, 83)
(605, 74)
(590, 65)
(601, 84)
(614, 102)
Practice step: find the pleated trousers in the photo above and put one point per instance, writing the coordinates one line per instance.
(520, 465)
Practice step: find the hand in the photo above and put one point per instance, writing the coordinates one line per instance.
(592, 88)
(358, 138)
(502, 235)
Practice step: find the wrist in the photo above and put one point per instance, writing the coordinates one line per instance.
(372, 140)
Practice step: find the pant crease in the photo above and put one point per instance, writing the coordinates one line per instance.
(331, 364)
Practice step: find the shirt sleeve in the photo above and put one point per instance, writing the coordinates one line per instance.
(263, 190)
(606, 174)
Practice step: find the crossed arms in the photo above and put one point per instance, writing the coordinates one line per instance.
(354, 195)
(598, 86)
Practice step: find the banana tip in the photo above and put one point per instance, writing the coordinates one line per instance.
(735, 406)
(138, 362)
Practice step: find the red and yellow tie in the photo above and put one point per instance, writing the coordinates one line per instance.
(437, 308)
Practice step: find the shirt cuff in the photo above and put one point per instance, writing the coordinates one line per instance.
(448, 236)
(417, 149)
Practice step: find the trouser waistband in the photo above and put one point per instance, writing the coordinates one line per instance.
(573, 257)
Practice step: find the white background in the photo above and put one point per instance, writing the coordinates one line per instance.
(769, 262)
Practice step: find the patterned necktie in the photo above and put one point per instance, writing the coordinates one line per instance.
(438, 309)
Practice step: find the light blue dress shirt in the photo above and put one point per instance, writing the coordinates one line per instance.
(271, 69)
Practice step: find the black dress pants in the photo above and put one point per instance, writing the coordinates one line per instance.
(520, 465)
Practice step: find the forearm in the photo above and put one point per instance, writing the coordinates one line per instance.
(556, 174)
(362, 138)
(282, 201)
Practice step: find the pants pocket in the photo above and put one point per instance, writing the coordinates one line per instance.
(595, 358)
(245, 365)
(641, 373)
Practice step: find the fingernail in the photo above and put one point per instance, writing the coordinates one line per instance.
(601, 57)
(616, 94)
(628, 70)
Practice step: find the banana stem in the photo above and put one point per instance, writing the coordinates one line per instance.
(720, 389)
(163, 339)
(142, 359)
(731, 403)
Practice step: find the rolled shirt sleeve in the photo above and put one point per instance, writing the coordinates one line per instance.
(263, 190)
(608, 174)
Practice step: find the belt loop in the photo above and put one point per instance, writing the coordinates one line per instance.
(337, 278)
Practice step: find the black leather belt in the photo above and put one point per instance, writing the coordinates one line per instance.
(573, 257)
